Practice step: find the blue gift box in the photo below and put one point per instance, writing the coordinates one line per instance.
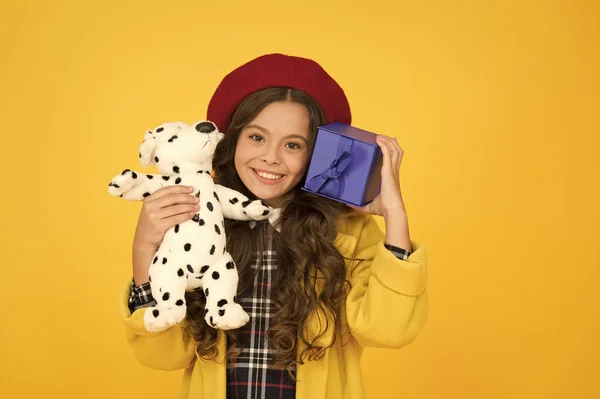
(345, 165)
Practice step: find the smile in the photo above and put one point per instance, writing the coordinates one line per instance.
(266, 175)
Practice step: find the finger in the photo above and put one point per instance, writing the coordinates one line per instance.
(387, 161)
(387, 141)
(389, 172)
(163, 191)
(361, 209)
(173, 210)
(394, 149)
(397, 145)
(176, 219)
(173, 199)
(395, 155)
(399, 150)
(356, 208)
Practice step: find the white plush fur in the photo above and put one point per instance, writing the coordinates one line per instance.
(192, 255)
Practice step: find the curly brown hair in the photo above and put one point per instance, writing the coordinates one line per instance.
(305, 248)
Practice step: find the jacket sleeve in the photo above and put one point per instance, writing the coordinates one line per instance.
(387, 305)
(166, 350)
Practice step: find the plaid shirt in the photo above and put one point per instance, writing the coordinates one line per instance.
(252, 375)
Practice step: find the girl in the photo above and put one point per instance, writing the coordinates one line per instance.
(319, 279)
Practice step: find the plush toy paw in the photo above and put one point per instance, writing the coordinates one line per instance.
(227, 317)
(159, 319)
(256, 209)
(122, 183)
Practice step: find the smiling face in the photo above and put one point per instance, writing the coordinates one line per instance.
(272, 151)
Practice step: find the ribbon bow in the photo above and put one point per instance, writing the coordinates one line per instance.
(327, 182)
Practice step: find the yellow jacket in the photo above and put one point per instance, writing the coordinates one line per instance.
(387, 307)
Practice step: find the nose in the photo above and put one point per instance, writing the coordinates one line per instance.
(270, 156)
(205, 127)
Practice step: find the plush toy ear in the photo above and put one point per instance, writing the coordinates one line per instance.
(147, 150)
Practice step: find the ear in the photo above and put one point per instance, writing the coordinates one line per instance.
(147, 150)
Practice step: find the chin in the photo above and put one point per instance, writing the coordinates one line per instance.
(271, 198)
(265, 195)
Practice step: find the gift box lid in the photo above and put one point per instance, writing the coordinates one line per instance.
(351, 132)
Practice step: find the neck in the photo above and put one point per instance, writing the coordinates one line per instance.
(279, 202)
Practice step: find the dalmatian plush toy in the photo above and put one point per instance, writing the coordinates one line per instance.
(192, 254)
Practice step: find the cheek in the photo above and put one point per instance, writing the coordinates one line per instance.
(240, 156)
(298, 164)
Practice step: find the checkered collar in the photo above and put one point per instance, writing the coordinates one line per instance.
(273, 219)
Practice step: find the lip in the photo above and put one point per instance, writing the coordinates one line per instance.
(266, 181)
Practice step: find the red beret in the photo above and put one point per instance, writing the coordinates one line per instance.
(278, 70)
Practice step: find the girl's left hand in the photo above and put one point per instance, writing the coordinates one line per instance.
(389, 199)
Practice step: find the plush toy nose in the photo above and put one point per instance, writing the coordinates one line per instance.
(206, 127)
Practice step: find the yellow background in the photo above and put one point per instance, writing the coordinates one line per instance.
(496, 105)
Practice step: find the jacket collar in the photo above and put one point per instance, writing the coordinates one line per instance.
(273, 219)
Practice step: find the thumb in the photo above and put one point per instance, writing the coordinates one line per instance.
(361, 209)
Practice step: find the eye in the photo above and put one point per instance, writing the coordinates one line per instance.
(294, 146)
(256, 137)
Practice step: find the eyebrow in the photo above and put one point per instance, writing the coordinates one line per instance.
(262, 129)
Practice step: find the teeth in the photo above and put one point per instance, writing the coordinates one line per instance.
(268, 175)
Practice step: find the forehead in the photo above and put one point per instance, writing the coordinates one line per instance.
(284, 118)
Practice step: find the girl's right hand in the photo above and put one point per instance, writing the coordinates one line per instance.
(163, 209)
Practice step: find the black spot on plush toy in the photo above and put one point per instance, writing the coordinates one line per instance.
(192, 255)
